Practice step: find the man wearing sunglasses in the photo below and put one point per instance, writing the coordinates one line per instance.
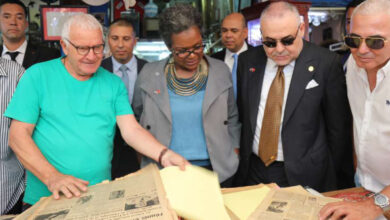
(368, 86)
(293, 108)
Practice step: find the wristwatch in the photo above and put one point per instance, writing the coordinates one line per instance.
(382, 201)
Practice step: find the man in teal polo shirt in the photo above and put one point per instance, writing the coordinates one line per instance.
(64, 113)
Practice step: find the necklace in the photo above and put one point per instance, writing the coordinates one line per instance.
(189, 86)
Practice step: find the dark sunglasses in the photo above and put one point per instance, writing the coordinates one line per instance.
(374, 43)
(286, 41)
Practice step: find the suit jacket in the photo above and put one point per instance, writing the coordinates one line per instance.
(36, 54)
(107, 64)
(221, 54)
(316, 131)
(124, 160)
(219, 113)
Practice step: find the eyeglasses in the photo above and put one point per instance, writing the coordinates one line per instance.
(183, 53)
(84, 50)
(374, 43)
(286, 41)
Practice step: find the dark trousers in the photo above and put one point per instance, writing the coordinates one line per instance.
(17, 209)
(259, 173)
(225, 184)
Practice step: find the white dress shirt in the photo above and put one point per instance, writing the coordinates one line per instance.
(371, 122)
(131, 71)
(20, 57)
(229, 60)
(269, 75)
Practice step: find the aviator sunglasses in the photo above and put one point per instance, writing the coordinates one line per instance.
(375, 43)
(286, 41)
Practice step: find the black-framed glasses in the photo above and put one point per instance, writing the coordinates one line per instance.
(84, 50)
(375, 43)
(183, 53)
(286, 41)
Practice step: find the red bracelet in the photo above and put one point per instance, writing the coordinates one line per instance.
(162, 154)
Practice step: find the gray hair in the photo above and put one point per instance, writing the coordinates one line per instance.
(372, 7)
(177, 19)
(84, 21)
(279, 10)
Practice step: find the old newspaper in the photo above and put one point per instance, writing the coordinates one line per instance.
(284, 204)
(138, 196)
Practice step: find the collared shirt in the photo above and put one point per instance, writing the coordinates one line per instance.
(131, 71)
(11, 171)
(229, 60)
(371, 122)
(22, 51)
(269, 75)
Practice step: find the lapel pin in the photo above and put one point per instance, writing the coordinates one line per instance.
(252, 70)
(311, 68)
(157, 92)
(157, 73)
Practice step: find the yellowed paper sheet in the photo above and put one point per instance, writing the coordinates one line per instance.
(284, 204)
(297, 189)
(194, 193)
(7, 217)
(243, 203)
(137, 196)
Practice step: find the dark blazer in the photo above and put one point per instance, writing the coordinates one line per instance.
(36, 54)
(316, 130)
(124, 160)
(107, 64)
(221, 54)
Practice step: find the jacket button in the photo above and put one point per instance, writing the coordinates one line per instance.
(148, 127)
(225, 122)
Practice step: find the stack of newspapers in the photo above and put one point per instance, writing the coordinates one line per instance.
(171, 193)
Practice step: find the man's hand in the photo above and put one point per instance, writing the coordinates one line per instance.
(68, 185)
(363, 210)
(171, 158)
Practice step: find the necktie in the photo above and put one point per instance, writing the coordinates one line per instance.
(269, 135)
(234, 74)
(13, 55)
(125, 77)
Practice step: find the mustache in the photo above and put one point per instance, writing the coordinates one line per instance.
(283, 53)
(365, 55)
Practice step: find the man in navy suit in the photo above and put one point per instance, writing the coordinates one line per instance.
(122, 39)
(234, 32)
(292, 101)
(13, 25)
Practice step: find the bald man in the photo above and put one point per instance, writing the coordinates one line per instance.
(234, 32)
(293, 107)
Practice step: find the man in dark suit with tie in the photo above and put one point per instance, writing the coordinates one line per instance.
(13, 25)
(122, 39)
(292, 101)
(233, 34)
